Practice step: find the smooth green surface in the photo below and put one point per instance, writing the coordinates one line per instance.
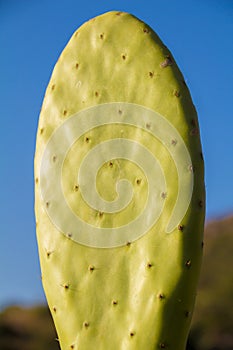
(140, 295)
(116, 148)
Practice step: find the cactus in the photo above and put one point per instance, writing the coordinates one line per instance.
(119, 191)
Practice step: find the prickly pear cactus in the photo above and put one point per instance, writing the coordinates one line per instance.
(119, 191)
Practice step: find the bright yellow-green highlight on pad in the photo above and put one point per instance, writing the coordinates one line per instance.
(117, 148)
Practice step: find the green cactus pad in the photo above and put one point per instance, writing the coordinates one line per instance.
(119, 191)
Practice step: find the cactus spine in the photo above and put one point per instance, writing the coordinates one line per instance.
(119, 191)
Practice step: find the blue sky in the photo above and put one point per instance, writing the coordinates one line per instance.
(32, 35)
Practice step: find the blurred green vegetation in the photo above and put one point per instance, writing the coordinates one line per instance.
(212, 324)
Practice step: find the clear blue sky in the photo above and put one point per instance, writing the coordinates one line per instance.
(32, 35)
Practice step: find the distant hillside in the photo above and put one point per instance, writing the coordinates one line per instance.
(27, 329)
(212, 326)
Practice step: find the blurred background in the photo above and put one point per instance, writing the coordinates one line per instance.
(32, 35)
